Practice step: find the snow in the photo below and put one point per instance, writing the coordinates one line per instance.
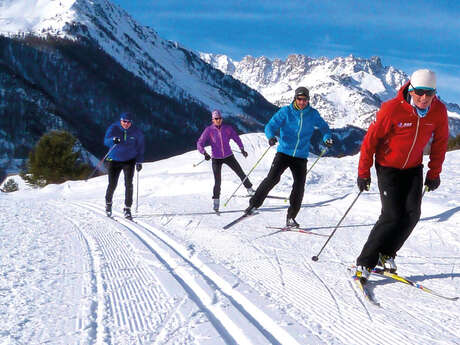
(70, 275)
(34, 15)
(369, 82)
(137, 48)
(453, 115)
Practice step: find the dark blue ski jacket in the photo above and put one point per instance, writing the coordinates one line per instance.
(131, 145)
(296, 128)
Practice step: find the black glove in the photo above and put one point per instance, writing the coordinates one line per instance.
(116, 140)
(432, 184)
(272, 141)
(329, 142)
(245, 154)
(138, 166)
(206, 156)
(364, 184)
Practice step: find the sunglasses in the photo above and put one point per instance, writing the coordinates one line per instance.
(126, 121)
(217, 118)
(421, 92)
(304, 99)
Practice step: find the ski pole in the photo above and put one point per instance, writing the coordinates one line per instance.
(100, 162)
(321, 154)
(137, 191)
(250, 171)
(315, 257)
(196, 164)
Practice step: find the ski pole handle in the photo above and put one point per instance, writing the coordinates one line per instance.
(196, 164)
(100, 162)
(315, 257)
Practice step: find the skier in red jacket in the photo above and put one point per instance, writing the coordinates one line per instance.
(403, 127)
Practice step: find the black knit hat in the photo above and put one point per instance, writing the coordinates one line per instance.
(302, 91)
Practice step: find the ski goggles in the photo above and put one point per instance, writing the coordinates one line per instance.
(304, 99)
(421, 92)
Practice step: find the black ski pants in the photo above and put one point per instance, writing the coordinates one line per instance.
(217, 170)
(401, 197)
(281, 162)
(115, 169)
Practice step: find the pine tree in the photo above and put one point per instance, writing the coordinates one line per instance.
(54, 159)
(10, 186)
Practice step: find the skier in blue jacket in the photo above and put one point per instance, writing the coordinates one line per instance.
(295, 123)
(127, 153)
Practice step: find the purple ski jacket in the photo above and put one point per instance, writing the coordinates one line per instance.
(219, 139)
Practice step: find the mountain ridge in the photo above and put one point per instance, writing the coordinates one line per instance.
(345, 90)
(170, 90)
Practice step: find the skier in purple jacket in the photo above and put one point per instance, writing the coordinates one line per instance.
(218, 135)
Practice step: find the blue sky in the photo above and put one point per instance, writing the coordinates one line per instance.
(406, 34)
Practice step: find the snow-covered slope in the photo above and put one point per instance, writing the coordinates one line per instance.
(71, 275)
(168, 68)
(75, 65)
(346, 90)
(35, 16)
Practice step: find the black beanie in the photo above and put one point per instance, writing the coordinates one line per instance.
(302, 91)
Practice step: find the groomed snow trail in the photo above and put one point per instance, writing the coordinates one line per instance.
(71, 275)
(235, 318)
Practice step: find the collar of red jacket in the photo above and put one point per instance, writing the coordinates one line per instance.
(402, 97)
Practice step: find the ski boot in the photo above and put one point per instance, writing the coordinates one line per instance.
(127, 213)
(250, 210)
(388, 263)
(291, 223)
(215, 204)
(363, 273)
(108, 209)
(251, 191)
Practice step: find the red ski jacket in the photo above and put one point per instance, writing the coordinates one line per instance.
(398, 136)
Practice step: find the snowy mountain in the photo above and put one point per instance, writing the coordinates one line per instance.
(168, 68)
(70, 275)
(345, 90)
(77, 64)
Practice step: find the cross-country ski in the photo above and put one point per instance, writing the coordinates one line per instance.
(401, 279)
(239, 219)
(294, 229)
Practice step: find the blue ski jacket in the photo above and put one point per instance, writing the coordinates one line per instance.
(296, 128)
(131, 145)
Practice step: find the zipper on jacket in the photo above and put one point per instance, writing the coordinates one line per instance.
(221, 140)
(125, 132)
(413, 143)
(298, 133)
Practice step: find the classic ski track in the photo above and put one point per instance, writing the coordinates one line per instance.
(97, 309)
(268, 329)
(131, 299)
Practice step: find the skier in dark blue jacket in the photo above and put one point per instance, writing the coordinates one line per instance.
(127, 153)
(295, 124)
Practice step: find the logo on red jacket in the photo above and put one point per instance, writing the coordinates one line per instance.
(404, 124)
